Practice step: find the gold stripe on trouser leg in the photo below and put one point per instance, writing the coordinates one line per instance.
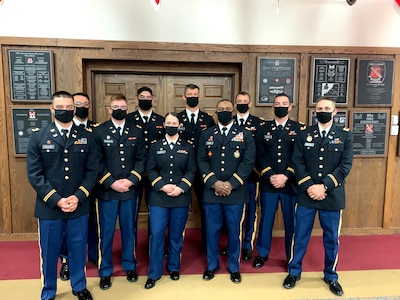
(96, 205)
(292, 243)
(40, 256)
(241, 231)
(183, 240)
(135, 224)
(255, 224)
(338, 233)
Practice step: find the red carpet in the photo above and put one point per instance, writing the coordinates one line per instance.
(20, 259)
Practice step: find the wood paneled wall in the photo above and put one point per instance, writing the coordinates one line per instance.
(372, 188)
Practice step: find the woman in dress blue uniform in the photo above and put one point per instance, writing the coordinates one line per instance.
(171, 168)
(62, 166)
(322, 158)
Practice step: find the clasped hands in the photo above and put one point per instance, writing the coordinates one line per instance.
(121, 185)
(68, 204)
(222, 188)
(317, 192)
(172, 190)
(278, 180)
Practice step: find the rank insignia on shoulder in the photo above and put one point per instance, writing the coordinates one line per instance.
(138, 126)
(304, 127)
(36, 129)
(95, 125)
(88, 129)
(346, 129)
(153, 141)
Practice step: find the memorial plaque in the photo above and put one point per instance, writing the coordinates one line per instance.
(31, 75)
(23, 121)
(330, 78)
(374, 82)
(275, 76)
(370, 133)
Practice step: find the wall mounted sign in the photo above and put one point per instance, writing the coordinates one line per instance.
(330, 77)
(374, 85)
(31, 75)
(275, 76)
(23, 121)
(370, 133)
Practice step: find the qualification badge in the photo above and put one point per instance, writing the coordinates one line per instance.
(309, 138)
(236, 154)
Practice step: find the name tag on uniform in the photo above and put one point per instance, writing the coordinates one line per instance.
(267, 137)
(48, 147)
(209, 143)
(306, 144)
(182, 151)
(162, 152)
(108, 141)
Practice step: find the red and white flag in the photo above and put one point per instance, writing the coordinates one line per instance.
(156, 4)
(396, 5)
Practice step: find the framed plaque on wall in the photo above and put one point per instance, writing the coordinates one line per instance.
(275, 76)
(374, 82)
(330, 77)
(31, 75)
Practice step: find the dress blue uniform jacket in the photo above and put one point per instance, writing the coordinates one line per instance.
(274, 154)
(152, 130)
(55, 171)
(166, 166)
(227, 158)
(323, 161)
(121, 157)
(192, 132)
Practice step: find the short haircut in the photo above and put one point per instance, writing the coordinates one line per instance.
(144, 89)
(174, 114)
(190, 86)
(118, 97)
(282, 95)
(224, 100)
(81, 94)
(243, 94)
(327, 98)
(61, 94)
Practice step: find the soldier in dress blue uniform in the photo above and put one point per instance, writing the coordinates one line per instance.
(226, 156)
(62, 166)
(249, 122)
(122, 165)
(82, 105)
(194, 122)
(171, 167)
(322, 159)
(275, 143)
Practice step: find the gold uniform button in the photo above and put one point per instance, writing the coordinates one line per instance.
(319, 174)
(123, 166)
(279, 147)
(223, 148)
(279, 140)
(279, 160)
(279, 154)
(171, 156)
(121, 145)
(321, 158)
(222, 162)
(322, 149)
(320, 166)
(66, 169)
(66, 177)
(66, 159)
(222, 154)
(121, 152)
(222, 169)
(122, 158)
(170, 172)
(65, 150)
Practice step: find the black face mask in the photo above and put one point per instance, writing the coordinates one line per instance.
(192, 101)
(324, 117)
(242, 108)
(145, 104)
(82, 112)
(119, 114)
(171, 130)
(224, 117)
(281, 112)
(63, 115)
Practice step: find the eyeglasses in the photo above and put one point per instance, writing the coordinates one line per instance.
(145, 98)
(115, 107)
(82, 104)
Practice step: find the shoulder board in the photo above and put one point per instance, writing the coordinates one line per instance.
(304, 127)
(88, 129)
(153, 141)
(262, 122)
(262, 118)
(138, 126)
(209, 114)
(35, 129)
(302, 123)
(346, 129)
(95, 125)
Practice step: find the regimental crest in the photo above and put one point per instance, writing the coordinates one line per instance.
(376, 72)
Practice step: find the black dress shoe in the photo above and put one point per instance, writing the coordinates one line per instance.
(335, 287)
(150, 283)
(224, 251)
(235, 277)
(105, 282)
(174, 275)
(92, 261)
(290, 281)
(259, 261)
(83, 295)
(64, 272)
(209, 274)
(246, 254)
(131, 276)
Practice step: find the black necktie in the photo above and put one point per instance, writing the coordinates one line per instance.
(81, 126)
(146, 119)
(241, 121)
(224, 129)
(192, 118)
(280, 127)
(65, 135)
(323, 134)
(119, 130)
